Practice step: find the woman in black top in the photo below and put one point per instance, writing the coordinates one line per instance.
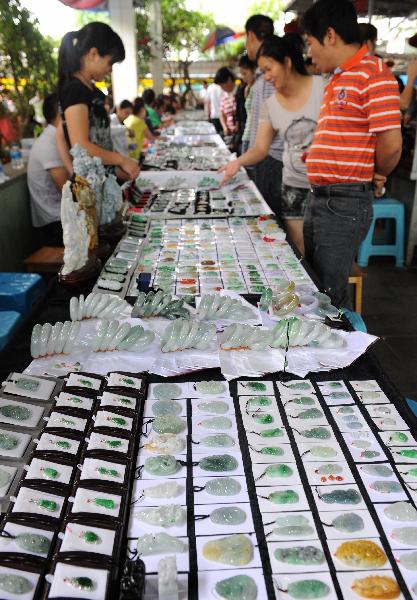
(87, 56)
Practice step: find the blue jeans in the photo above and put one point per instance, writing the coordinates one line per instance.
(268, 178)
(336, 221)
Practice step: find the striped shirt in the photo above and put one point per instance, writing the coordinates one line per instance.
(228, 108)
(262, 90)
(360, 100)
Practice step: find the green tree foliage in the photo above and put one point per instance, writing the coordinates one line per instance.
(183, 33)
(26, 56)
(271, 8)
(83, 17)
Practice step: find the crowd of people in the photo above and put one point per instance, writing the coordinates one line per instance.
(316, 120)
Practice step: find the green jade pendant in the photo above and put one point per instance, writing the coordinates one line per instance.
(238, 587)
(386, 487)
(228, 515)
(303, 400)
(398, 437)
(218, 440)
(107, 472)
(8, 442)
(345, 410)
(75, 400)
(370, 454)
(408, 453)
(216, 407)
(89, 537)
(263, 419)
(15, 412)
(29, 385)
(318, 433)
(308, 589)
(218, 462)
(329, 469)
(33, 542)
(411, 472)
(258, 401)
(48, 505)
(218, 423)
(350, 496)
(5, 478)
(85, 383)
(377, 470)
(103, 503)
(297, 531)
(300, 555)
(210, 387)
(222, 486)
(271, 433)
(162, 465)
(335, 385)
(348, 523)
(67, 422)
(172, 424)
(167, 391)
(15, 584)
(277, 471)
(119, 421)
(284, 497)
(271, 451)
(84, 584)
(49, 473)
(64, 445)
(310, 413)
(112, 443)
(322, 451)
(255, 386)
(163, 408)
(299, 386)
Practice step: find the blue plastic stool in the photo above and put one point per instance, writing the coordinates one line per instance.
(8, 322)
(412, 405)
(355, 320)
(20, 291)
(387, 208)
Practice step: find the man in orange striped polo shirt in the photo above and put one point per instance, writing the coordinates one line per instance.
(356, 145)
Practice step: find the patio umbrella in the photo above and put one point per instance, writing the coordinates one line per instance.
(82, 4)
(221, 35)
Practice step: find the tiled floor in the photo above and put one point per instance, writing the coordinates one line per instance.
(390, 311)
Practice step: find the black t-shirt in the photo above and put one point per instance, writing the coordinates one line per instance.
(75, 92)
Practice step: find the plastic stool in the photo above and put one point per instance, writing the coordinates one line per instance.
(8, 322)
(20, 291)
(355, 320)
(388, 208)
(412, 405)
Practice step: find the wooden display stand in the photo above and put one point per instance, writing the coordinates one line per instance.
(45, 260)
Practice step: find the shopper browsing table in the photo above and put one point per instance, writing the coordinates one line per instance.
(87, 56)
(356, 146)
(292, 112)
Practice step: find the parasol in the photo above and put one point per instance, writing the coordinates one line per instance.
(221, 35)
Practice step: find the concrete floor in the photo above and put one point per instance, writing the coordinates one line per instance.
(390, 312)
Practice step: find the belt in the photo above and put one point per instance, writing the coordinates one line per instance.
(359, 187)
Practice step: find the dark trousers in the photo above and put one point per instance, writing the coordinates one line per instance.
(51, 234)
(268, 177)
(336, 221)
(217, 125)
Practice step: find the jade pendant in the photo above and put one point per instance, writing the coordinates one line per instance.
(228, 515)
(284, 497)
(163, 408)
(362, 444)
(256, 386)
(168, 515)
(319, 433)
(84, 584)
(292, 520)
(279, 470)
(210, 387)
(310, 413)
(329, 469)
(112, 443)
(104, 503)
(303, 400)
(167, 391)
(370, 454)
(218, 440)
(108, 472)
(300, 555)
(85, 383)
(401, 511)
(49, 505)
(214, 407)
(15, 412)
(348, 523)
(386, 487)
(398, 437)
(30, 385)
(15, 584)
(323, 451)
(33, 542)
(49, 473)
(300, 385)
(307, 588)
(377, 470)
(350, 496)
(408, 453)
(172, 424)
(405, 535)
(216, 423)
(271, 451)
(5, 478)
(263, 418)
(297, 531)
(345, 410)
(89, 537)
(8, 442)
(409, 561)
(238, 587)
(270, 433)
(117, 421)
(222, 486)
(218, 462)
(235, 550)
(258, 401)
(162, 465)
(63, 444)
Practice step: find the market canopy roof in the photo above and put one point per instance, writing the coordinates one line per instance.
(388, 8)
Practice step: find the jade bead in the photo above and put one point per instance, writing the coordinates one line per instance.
(108, 472)
(345, 410)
